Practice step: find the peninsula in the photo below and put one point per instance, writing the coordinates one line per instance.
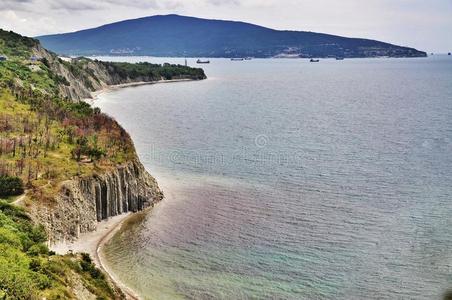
(175, 35)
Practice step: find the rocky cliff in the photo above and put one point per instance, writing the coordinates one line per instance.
(79, 77)
(83, 202)
(80, 80)
(72, 176)
(77, 165)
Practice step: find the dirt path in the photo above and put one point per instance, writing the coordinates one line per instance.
(19, 201)
(92, 243)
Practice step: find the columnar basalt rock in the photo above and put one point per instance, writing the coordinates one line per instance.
(83, 202)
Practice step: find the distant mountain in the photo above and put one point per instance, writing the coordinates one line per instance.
(174, 35)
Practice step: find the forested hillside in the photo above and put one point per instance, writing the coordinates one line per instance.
(47, 137)
(174, 35)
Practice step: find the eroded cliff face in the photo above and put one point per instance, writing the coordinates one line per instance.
(83, 76)
(80, 84)
(83, 202)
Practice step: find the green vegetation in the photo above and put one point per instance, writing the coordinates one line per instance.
(45, 139)
(39, 132)
(10, 186)
(174, 35)
(15, 45)
(44, 147)
(149, 72)
(29, 271)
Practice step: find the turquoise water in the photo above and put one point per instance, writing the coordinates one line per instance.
(291, 180)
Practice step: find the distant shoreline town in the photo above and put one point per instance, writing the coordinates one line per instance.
(180, 36)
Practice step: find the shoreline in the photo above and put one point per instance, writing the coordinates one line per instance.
(92, 243)
(128, 292)
(110, 88)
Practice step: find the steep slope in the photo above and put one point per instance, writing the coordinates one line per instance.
(76, 165)
(60, 147)
(174, 35)
(29, 271)
(81, 76)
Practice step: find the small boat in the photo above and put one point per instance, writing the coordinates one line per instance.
(237, 59)
(314, 60)
(339, 58)
(448, 53)
(248, 58)
(203, 61)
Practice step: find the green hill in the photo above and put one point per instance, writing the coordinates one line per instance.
(174, 35)
(49, 136)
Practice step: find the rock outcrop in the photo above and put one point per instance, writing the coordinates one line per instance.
(80, 84)
(83, 202)
(81, 76)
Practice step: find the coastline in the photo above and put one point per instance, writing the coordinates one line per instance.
(92, 243)
(110, 88)
(100, 260)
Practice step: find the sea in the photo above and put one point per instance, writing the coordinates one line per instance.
(285, 179)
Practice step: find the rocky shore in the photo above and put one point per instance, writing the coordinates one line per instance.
(83, 202)
(77, 167)
(92, 243)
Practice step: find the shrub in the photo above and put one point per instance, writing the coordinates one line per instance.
(87, 266)
(96, 153)
(38, 234)
(10, 186)
(35, 265)
(38, 249)
(9, 237)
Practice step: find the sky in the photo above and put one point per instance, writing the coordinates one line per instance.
(422, 24)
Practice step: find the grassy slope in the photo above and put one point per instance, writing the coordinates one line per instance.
(37, 145)
(48, 167)
(46, 139)
(29, 271)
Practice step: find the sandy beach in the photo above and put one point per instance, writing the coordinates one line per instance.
(92, 243)
(110, 88)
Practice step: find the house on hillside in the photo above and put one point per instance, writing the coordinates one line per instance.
(3, 58)
(34, 58)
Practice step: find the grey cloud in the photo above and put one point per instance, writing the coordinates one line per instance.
(135, 3)
(14, 4)
(147, 4)
(74, 5)
(417, 23)
(81, 5)
(223, 2)
(173, 5)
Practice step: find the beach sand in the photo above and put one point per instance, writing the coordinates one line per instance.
(110, 88)
(92, 243)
